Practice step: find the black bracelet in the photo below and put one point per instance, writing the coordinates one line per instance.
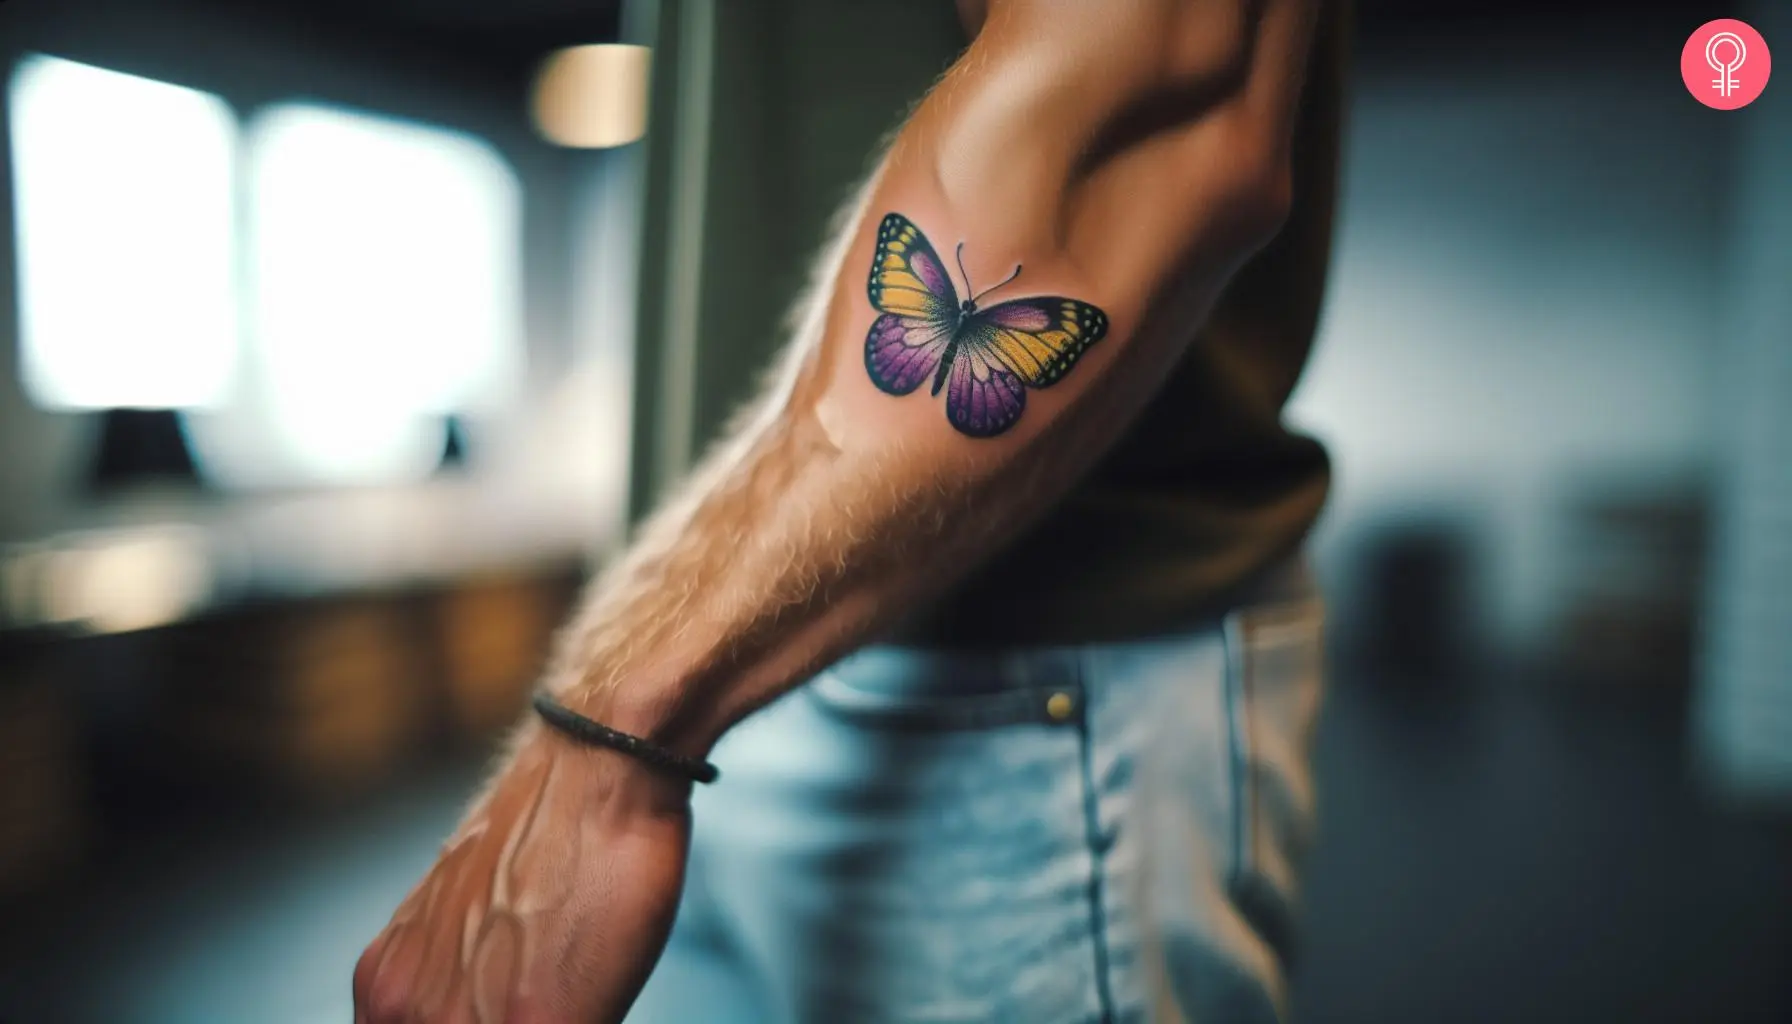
(598, 735)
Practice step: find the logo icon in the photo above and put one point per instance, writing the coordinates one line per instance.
(1725, 64)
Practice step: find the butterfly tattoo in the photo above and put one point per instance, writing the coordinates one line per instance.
(986, 359)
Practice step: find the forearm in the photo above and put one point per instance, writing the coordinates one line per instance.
(718, 603)
(834, 509)
(789, 549)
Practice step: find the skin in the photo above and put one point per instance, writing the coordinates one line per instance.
(1132, 154)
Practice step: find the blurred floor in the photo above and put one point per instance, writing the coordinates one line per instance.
(1508, 852)
(1531, 850)
(254, 921)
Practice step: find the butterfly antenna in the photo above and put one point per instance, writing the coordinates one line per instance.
(993, 287)
(961, 273)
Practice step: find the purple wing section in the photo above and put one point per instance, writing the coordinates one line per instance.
(982, 398)
(1023, 314)
(901, 352)
(926, 265)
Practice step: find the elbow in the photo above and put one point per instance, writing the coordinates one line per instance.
(1206, 202)
(1254, 186)
(1237, 187)
(1265, 202)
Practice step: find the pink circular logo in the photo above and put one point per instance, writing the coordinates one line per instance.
(1725, 64)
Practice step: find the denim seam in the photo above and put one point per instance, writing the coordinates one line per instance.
(1237, 739)
(1098, 923)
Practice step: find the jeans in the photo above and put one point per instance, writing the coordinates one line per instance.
(1101, 833)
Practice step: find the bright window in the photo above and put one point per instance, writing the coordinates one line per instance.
(386, 273)
(124, 198)
(371, 268)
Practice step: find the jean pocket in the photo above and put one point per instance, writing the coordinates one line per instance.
(917, 690)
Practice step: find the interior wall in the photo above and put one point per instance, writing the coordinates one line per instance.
(1526, 291)
(1746, 706)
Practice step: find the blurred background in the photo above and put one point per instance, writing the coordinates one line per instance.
(340, 340)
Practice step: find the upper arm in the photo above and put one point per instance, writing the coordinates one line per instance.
(1129, 155)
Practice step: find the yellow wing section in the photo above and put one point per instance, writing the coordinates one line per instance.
(907, 277)
(1037, 339)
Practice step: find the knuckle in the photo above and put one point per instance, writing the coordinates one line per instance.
(389, 1000)
(364, 972)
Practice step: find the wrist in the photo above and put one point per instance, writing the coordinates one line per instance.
(663, 718)
(614, 784)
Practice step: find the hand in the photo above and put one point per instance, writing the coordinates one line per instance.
(549, 905)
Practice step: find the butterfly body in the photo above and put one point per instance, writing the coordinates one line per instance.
(939, 376)
(966, 310)
(984, 359)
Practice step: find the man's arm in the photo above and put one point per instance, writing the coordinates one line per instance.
(1129, 159)
(1129, 156)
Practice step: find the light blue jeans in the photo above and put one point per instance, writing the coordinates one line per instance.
(1105, 833)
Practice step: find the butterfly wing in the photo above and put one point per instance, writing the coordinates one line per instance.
(1010, 347)
(1037, 339)
(910, 287)
(903, 351)
(983, 398)
(907, 277)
